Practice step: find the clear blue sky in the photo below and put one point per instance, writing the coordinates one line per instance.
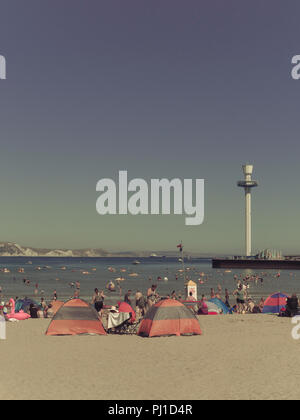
(167, 88)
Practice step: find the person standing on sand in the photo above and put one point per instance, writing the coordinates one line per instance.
(55, 295)
(98, 301)
(212, 293)
(43, 304)
(173, 295)
(261, 304)
(139, 304)
(240, 298)
(127, 297)
(227, 303)
(152, 295)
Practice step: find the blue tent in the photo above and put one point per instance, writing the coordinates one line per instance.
(24, 304)
(220, 305)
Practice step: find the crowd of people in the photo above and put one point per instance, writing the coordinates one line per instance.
(142, 303)
(41, 310)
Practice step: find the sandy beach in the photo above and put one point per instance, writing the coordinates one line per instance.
(237, 357)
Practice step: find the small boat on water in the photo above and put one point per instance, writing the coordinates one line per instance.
(21, 270)
(136, 262)
(6, 270)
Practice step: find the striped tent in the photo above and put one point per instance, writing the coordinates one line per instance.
(169, 317)
(221, 305)
(275, 303)
(76, 317)
(56, 305)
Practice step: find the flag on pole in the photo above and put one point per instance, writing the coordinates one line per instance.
(180, 246)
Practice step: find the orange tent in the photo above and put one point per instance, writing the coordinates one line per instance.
(56, 305)
(169, 317)
(76, 317)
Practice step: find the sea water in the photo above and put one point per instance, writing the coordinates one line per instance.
(51, 277)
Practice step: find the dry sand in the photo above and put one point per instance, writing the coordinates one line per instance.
(237, 357)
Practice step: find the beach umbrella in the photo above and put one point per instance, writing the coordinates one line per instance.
(275, 303)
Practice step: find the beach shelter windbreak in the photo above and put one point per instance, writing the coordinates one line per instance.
(169, 317)
(221, 305)
(76, 317)
(275, 303)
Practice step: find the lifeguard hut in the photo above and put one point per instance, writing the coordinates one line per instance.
(191, 287)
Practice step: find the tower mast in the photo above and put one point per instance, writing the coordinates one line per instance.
(248, 184)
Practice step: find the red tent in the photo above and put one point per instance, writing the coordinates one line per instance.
(125, 307)
(169, 317)
(76, 317)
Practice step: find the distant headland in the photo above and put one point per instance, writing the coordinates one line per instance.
(12, 249)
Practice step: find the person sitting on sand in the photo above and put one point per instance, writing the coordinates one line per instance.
(33, 311)
(292, 306)
(49, 313)
(251, 305)
(202, 307)
(40, 313)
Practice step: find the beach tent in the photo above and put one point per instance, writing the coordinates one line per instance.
(213, 309)
(169, 317)
(76, 317)
(275, 303)
(221, 305)
(56, 305)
